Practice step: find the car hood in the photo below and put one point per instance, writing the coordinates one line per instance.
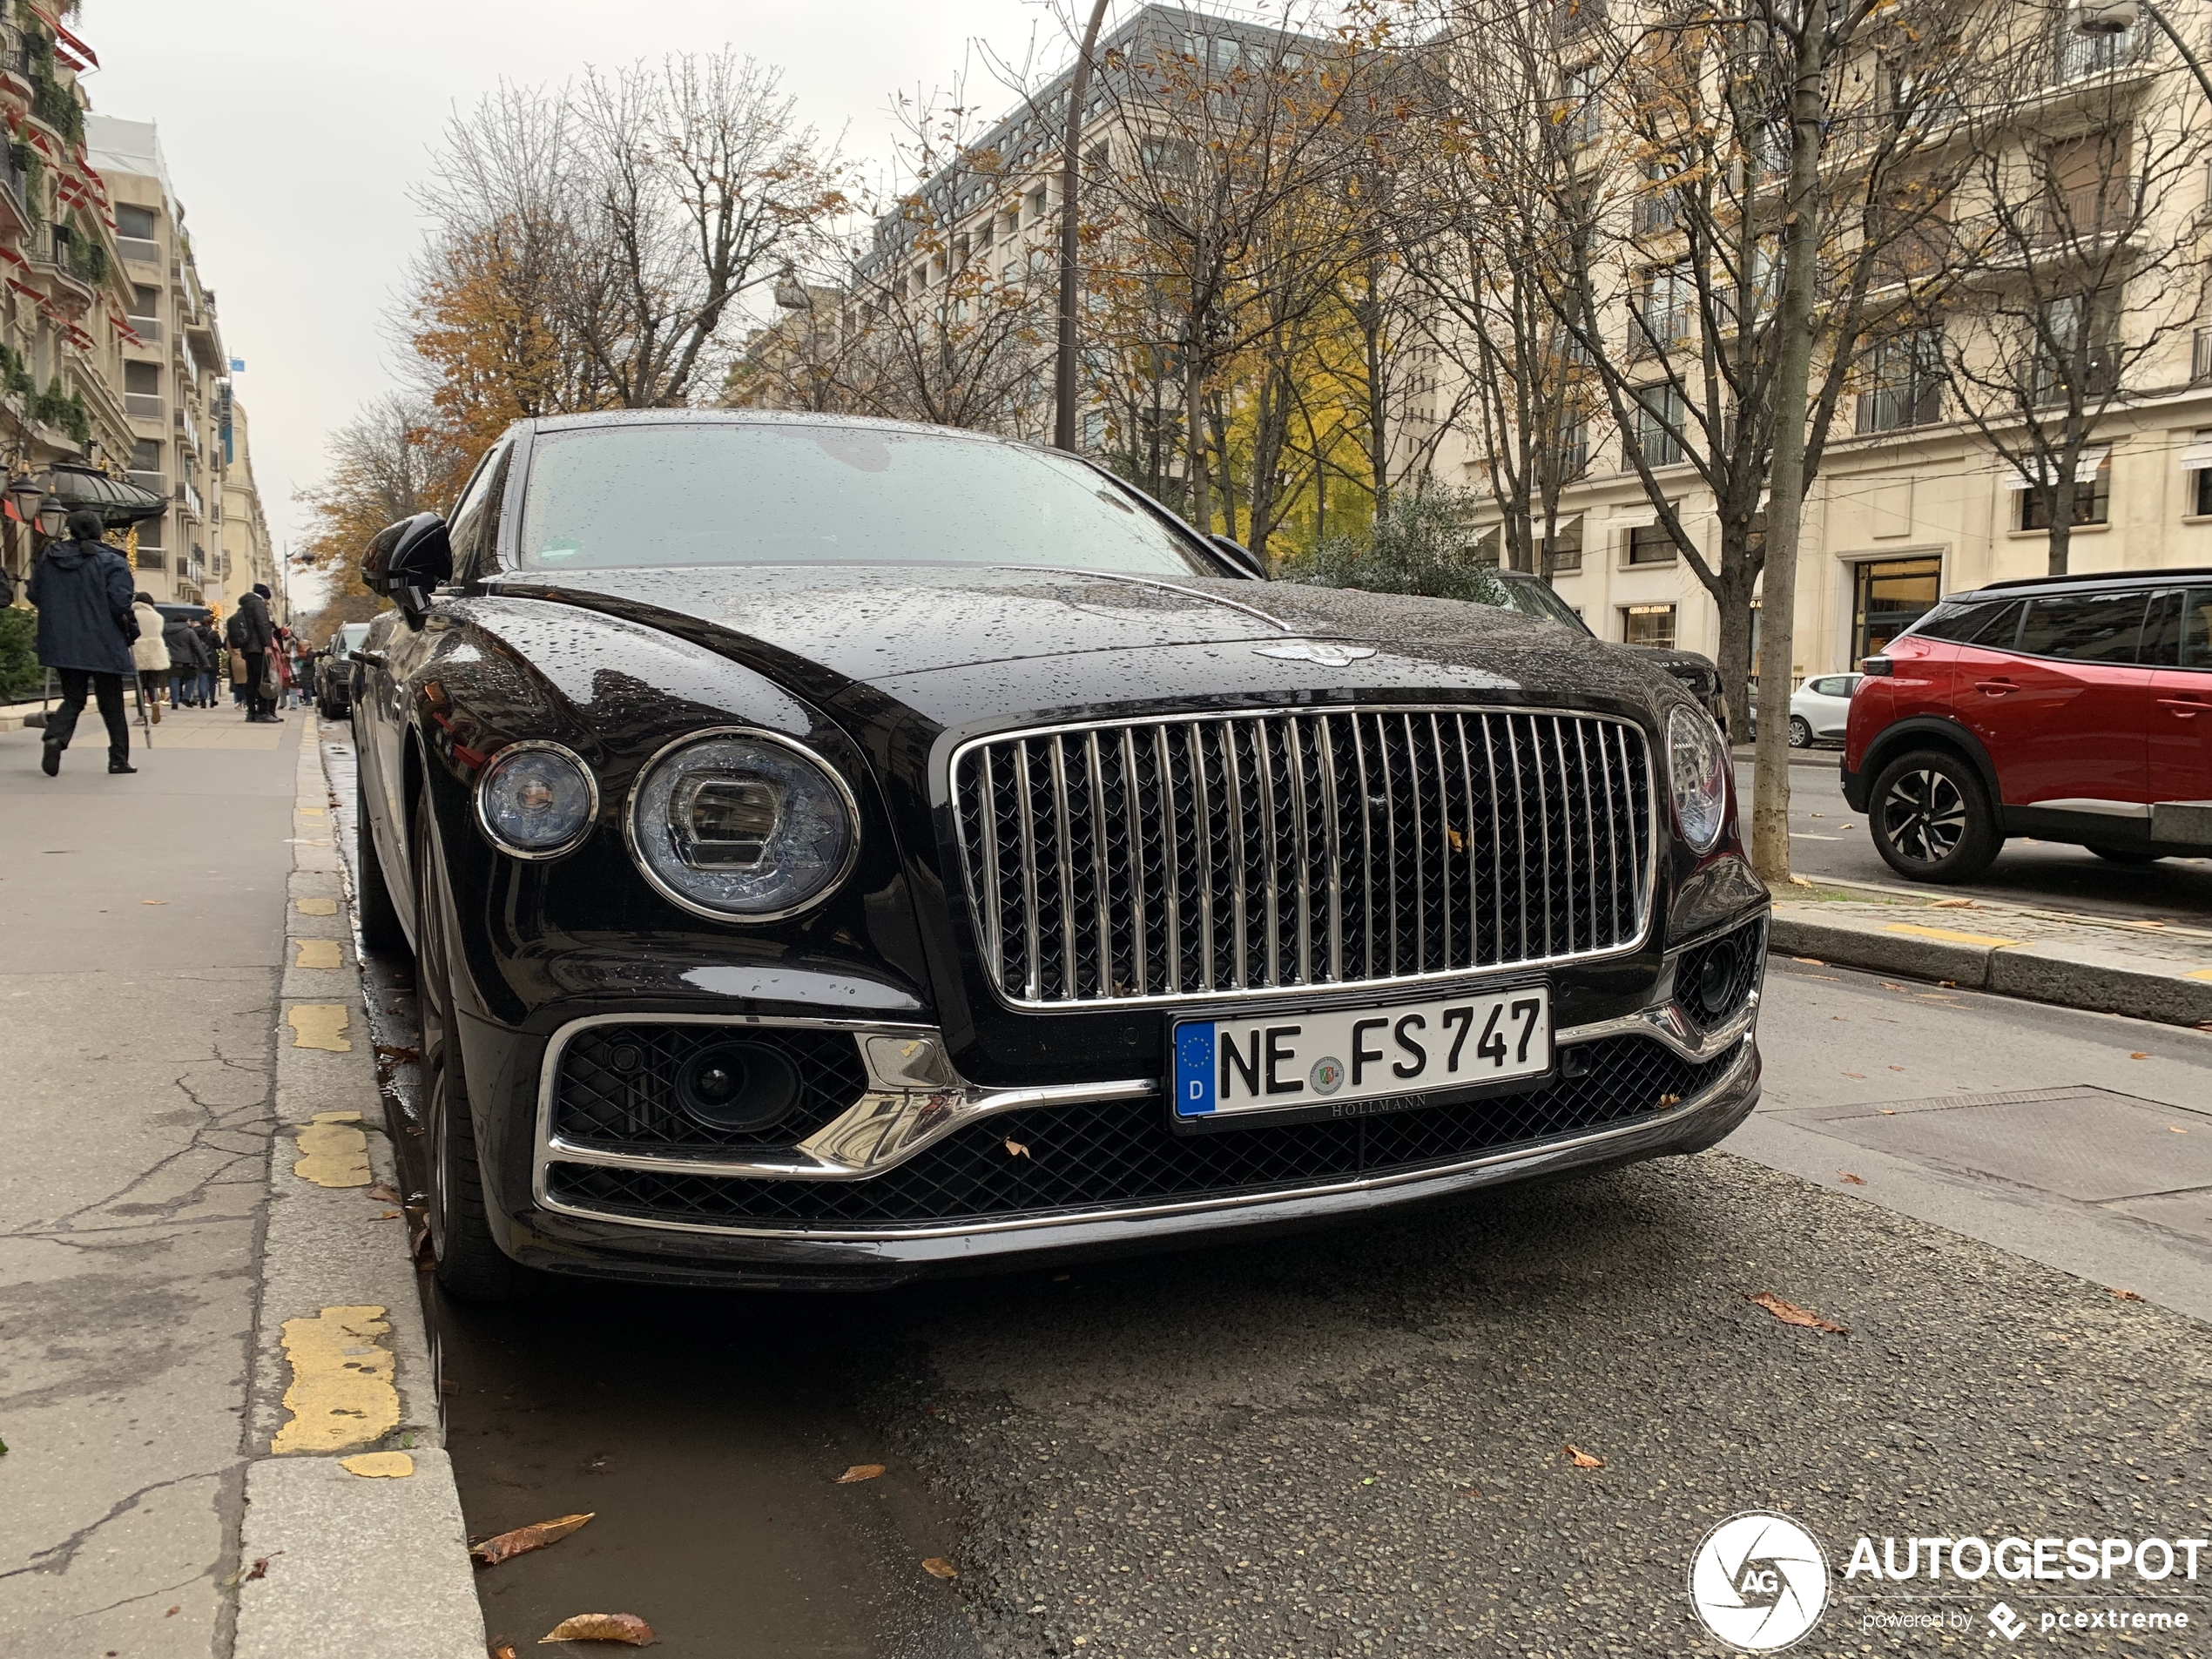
(1007, 633)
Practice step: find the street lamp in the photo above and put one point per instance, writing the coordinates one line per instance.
(1071, 178)
(26, 492)
(53, 516)
(2118, 16)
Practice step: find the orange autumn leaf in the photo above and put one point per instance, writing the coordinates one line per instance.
(1855, 1180)
(523, 1539)
(859, 1471)
(1583, 1459)
(601, 1626)
(938, 1566)
(1791, 1313)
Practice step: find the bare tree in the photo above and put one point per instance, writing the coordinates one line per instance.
(2080, 255)
(392, 461)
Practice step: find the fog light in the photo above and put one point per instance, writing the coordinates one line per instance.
(741, 1088)
(1716, 981)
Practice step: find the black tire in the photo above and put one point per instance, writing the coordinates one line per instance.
(379, 915)
(470, 1264)
(2130, 858)
(1800, 733)
(1931, 818)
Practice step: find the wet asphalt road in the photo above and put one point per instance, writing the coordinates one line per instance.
(1828, 839)
(1353, 1443)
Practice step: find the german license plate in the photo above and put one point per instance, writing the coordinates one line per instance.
(1323, 1064)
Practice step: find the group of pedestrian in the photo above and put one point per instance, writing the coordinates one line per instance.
(94, 628)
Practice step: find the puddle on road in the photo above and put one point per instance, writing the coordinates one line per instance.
(705, 1429)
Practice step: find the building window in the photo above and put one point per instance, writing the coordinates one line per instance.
(1665, 304)
(1905, 372)
(1649, 544)
(1659, 423)
(1583, 118)
(2203, 493)
(2092, 501)
(1889, 596)
(150, 531)
(1567, 546)
(1648, 625)
(1573, 453)
(137, 223)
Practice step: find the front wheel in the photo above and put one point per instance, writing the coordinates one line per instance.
(1800, 733)
(470, 1263)
(1931, 818)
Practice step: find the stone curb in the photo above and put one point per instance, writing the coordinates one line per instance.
(2085, 966)
(365, 1566)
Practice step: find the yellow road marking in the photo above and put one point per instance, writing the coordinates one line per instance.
(334, 1151)
(320, 1025)
(2199, 973)
(313, 811)
(1947, 935)
(319, 953)
(317, 906)
(387, 1464)
(342, 1392)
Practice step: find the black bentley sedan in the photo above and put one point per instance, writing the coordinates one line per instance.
(835, 851)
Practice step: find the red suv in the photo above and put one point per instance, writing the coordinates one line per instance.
(2067, 708)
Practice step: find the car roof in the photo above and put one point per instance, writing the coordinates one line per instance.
(2106, 579)
(746, 417)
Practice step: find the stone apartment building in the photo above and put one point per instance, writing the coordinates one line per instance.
(1913, 501)
(114, 384)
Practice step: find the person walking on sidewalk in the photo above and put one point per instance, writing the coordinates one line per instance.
(81, 588)
(186, 658)
(255, 634)
(149, 655)
(210, 655)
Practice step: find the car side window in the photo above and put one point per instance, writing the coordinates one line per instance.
(477, 519)
(1974, 622)
(2084, 627)
(2182, 636)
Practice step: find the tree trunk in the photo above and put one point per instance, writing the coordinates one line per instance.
(1195, 467)
(1734, 656)
(1785, 507)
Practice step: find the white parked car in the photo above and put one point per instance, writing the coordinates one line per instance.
(1820, 709)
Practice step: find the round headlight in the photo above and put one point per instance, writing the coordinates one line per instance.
(537, 800)
(742, 826)
(1698, 769)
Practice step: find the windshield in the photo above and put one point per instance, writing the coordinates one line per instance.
(624, 497)
(1535, 599)
(352, 634)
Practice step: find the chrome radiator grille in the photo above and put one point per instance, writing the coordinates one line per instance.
(1152, 860)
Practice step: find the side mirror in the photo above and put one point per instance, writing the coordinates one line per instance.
(1238, 555)
(406, 560)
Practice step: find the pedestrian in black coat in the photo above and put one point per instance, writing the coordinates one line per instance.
(253, 633)
(82, 592)
(186, 658)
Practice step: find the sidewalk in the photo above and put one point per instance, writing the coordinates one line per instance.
(2106, 964)
(206, 1317)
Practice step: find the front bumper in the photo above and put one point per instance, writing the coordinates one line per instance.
(566, 1229)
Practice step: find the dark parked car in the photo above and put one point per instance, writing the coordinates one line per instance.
(837, 851)
(1532, 596)
(2067, 708)
(334, 672)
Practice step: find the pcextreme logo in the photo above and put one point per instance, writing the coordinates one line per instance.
(1759, 1581)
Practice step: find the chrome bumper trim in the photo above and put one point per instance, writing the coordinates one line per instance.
(1536, 1155)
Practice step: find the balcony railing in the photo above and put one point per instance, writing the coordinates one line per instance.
(158, 482)
(143, 406)
(2081, 55)
(2091, 212)
(147, 328)
(1907, 403)
(2049, 381)
(190, 496)
(139, 250)
(1658, 210)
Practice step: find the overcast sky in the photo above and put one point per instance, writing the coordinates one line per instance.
(293, 132)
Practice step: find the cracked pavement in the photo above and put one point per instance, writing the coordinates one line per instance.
(140, 926)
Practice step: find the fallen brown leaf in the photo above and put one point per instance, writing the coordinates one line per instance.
(153, 901)
(1887, 985)
(381, 1192)
(1671, 1100)
(1856, 1180)
(859, 1471)
(1948, 984)
(502, 1649)
(524, 1539)
(601, 1626)
(1886, 1111)
(1810, 962)
(388, 1215)
(1859, 1075)
(2176, 1129)
(247, 1574)
(1791, 1313)
(2139, 1054)
(1583, 1459)
(1015, 1150)
(1896, 1068)
(2127, 1296)
(938, 1566)
(390, 1051)
(1954, 904)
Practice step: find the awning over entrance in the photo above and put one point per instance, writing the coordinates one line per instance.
(117, 500)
